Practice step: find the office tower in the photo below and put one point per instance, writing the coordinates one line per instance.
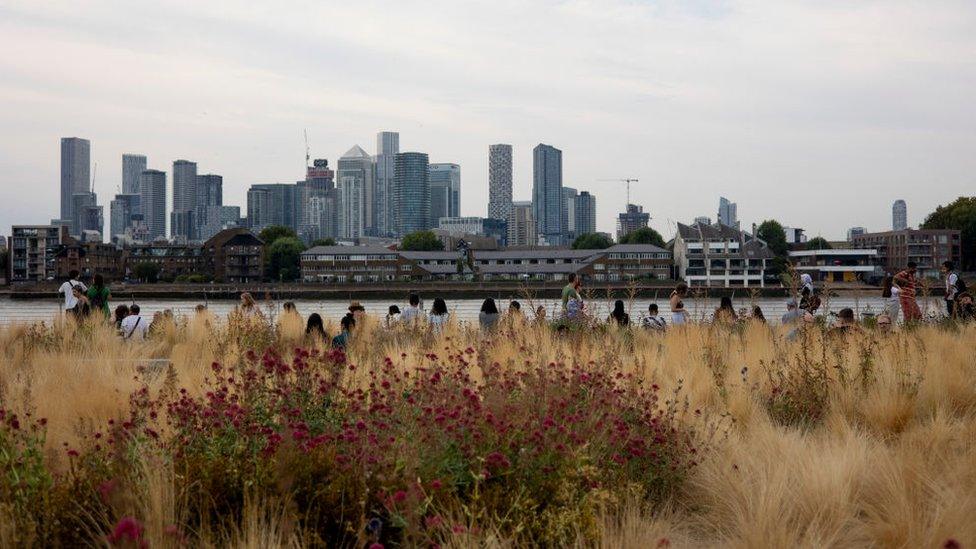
(75, 172)
(411, 195)
(132, 167)
(387, 147)
(271, 204)
(152, 187)
(521, 224)
(899, 215)
(445, 191)
(88, 216)
(585, 213)
(702, 220)
(209, 199)
(499, 181)
(855, 232)
(122, 211)
(182, 222)
(317, 198)
(354, 176)
(547, 193)
(727, 214)
(631, 220)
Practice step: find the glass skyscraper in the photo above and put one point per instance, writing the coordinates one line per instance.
(547, 193)
(411, 193)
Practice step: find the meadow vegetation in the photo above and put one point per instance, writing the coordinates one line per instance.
(241, 432)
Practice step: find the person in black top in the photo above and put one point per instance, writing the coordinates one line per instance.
(619, 315)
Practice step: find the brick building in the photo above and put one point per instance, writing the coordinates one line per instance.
(926, 247)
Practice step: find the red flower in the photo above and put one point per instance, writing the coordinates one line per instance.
(128, 528)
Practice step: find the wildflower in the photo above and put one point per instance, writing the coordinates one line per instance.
(128, 528)
(400, 496)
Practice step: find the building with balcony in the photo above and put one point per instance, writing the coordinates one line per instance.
(926, 247)
(844, 265)
(234, 255)
(32, 252)
(89, 259)
(720, 255)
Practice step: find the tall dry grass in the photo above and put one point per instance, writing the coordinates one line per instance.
(868, 440)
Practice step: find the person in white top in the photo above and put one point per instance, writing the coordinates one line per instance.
(134, 327)
(412, 312)
(892, 303)
(69, 298)
(438, 315)
(951, 287)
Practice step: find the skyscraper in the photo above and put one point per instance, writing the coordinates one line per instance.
(122, 210)
(317, 199)
(387, 147)
(75, 173)
(445, 191)
(184, 199)
(152, 187)
(727, 214)
(521, 225)
(569, 213)
(411, 196)
(355, 178)
(271, 204)
(499, 181)
(132, 167)
(899, 215)
(209, 200)
(585, 213)
(631, 220)
(547, 193)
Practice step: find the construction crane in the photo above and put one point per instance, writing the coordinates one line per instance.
(628, 181)
(308, 154)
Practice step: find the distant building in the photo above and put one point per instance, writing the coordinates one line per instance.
(32, 250)
(794, 235)
(719, 255)
(522, 225)
(318, 214)
(631, 220)
(899, 215)
(728, 213)
(132, 167)
(88, 215)
(460, 226)
(75, 173)
(122, 211)
(855, 232)
(89, 259)
(387, 147)
(585, 213)
(547, 194)
(152, 186)
(271, 204)
(846, 265)
(499, 181)
(182, 222)
(926, 247)
(234, 256)
(703, 220)
(445, 191)
(209, 201)
(355, 187)
(411, 197)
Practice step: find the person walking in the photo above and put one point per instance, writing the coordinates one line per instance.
(907, 283)
(99, 295)
(619, 315)
(679, 315)
(892, 300)
(952, 287)
(70, 301)
(488, 317)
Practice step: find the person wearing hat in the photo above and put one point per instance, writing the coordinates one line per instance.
(793, 312)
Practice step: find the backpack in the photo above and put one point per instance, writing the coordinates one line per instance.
(960, 285)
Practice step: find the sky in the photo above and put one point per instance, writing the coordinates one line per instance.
(816, 113)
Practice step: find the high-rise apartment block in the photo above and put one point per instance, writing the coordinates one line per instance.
(317, 201)
(855, 232)
(727, 213)
(499, 181)
(209, 201)
(182, 218)
(271, 204)
(123, 210)
(569, 213)
(354, 181)
(631, 220)
(547, 193)
(522, 229)
(411, 197)
(899, 215)
(132, 167)
(75, 173)
(445, 191)
(585, 213)
(387, 147)
(152, 187)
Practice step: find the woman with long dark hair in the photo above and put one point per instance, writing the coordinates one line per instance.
(725, 314)
(121, 312)
(438, 315)
(619, 315)
(98, 296)
(315, 328)
(488, 317)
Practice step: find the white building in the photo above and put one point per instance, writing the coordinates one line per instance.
(719, 255)
(841, 265)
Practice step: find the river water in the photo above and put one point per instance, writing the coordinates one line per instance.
(27, 311)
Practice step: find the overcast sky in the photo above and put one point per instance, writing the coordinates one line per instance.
(818, 113)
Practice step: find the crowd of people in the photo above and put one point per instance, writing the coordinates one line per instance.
(899, 293)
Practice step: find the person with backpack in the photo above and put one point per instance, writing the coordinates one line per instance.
(953, 287)
(70, 300)
(98, 296)
(134, 327)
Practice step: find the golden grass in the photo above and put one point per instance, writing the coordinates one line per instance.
(892, 462)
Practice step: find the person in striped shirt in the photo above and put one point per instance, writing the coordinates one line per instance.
(907, 283)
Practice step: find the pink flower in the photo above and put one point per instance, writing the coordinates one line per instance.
(400, 496)
(128, 528)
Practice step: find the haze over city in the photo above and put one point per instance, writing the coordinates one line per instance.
(816, 114)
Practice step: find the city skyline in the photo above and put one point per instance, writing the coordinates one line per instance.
(842, 103)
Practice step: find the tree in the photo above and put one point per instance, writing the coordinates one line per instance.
(959, 215)
(271, 233)
(146, 272)
(323, 242)
(421, 241)
(644, 235)
(284, 259)
(773, 234)
(591, 241)
(818, 243)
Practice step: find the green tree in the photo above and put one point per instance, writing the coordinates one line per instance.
(272, 233)
(959, 215)
(591, 241)
(323, 242)
(644, 235)
(773, 234)
(421, 241)
(818, 243)
(284, 259)
(146, 272)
